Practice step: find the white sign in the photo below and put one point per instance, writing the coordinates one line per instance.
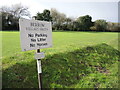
(35, 34)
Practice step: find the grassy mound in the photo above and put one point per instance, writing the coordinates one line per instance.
(89, 67)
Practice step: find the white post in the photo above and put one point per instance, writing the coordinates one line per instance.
(39, 71)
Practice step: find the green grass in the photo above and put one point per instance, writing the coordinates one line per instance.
(62, 41)
(77, 60)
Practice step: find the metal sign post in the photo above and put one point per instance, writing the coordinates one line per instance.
(39, 55)
(39, 71)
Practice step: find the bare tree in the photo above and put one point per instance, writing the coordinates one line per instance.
(16, 10)
(58, 18)
(11, 15)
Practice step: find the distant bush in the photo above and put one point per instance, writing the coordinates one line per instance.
(100, 25)
(113, 26)
(93, 28)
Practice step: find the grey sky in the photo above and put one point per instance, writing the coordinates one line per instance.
(98, 9)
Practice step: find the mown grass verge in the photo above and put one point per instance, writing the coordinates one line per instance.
(89, 67)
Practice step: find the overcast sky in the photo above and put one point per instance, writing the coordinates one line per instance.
(98, 9)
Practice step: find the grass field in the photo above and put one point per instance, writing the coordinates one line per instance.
(76, 60)
(62, 41)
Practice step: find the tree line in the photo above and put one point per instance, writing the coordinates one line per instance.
(11, 15)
